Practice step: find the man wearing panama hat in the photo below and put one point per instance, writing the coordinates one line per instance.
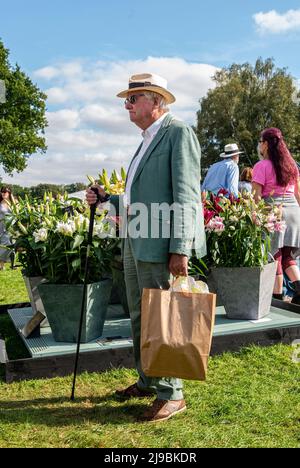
(224, 174)
(165, 170)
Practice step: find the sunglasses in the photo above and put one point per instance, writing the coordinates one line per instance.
(133, 98)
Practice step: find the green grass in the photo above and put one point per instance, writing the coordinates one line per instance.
(250, 399)
(12, 286)
(12, 291)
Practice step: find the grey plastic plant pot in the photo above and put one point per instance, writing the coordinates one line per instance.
(245, 292)
(62, 304)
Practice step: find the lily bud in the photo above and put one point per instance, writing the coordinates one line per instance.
(91, 179)
(22, 228)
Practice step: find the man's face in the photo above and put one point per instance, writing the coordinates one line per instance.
(140, 109)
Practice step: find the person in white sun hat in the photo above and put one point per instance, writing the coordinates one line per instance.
(225, 173)
(165, 171)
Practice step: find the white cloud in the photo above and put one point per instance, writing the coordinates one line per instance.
(106, 118)
(63, 119)
(46, 73)
(89, 128)
(56, 95)
(276, 23)
(71, 70)
(67, 70)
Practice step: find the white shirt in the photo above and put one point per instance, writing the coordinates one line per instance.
(148, 136)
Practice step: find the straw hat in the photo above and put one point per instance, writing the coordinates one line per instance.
(230, 150)
(148, 82)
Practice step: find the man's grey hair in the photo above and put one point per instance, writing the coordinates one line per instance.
(152, 96)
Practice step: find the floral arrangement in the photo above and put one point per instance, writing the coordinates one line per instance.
(51, 239)
(114, 185)
(239, 230)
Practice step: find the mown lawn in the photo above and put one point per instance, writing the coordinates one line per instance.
(250, 399)
(12, 286)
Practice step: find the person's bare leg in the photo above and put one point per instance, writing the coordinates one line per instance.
(278, 285)
(293, 273)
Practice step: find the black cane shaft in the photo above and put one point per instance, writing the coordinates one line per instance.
(83, 304)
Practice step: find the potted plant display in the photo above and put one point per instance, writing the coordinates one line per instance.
(239, 233)
(51, 239)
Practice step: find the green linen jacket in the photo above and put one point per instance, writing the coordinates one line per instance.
(169, 173)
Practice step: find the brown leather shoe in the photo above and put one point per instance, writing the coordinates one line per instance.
(133, 391)
(161, 410)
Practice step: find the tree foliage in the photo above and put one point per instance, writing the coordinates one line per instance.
(22, 117)
(38, 191)
(246, 100)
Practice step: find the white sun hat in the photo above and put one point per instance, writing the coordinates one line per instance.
(148, 82)
(230, 150)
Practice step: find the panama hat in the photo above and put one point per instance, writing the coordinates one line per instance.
(148, 82)
(230, 150)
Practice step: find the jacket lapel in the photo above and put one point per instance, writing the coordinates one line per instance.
(162, 131)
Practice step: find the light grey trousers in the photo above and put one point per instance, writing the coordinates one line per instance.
(139, 275)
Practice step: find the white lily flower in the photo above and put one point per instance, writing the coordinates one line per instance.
(40, 235)
(67, 229)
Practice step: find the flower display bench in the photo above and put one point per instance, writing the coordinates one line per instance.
(114, 348)
(49, 358)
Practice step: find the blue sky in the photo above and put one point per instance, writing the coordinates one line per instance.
(82, 52)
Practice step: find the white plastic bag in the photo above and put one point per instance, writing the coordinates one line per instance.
(188, 284)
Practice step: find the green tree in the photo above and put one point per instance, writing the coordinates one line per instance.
(22, 117)
(75, 187)
(39, 190)
(246, 100)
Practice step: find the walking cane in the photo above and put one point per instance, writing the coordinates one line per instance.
(86, 271)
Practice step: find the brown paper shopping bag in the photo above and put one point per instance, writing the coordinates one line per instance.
(176, 333)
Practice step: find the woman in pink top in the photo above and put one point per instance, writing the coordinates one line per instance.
(276, 179)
